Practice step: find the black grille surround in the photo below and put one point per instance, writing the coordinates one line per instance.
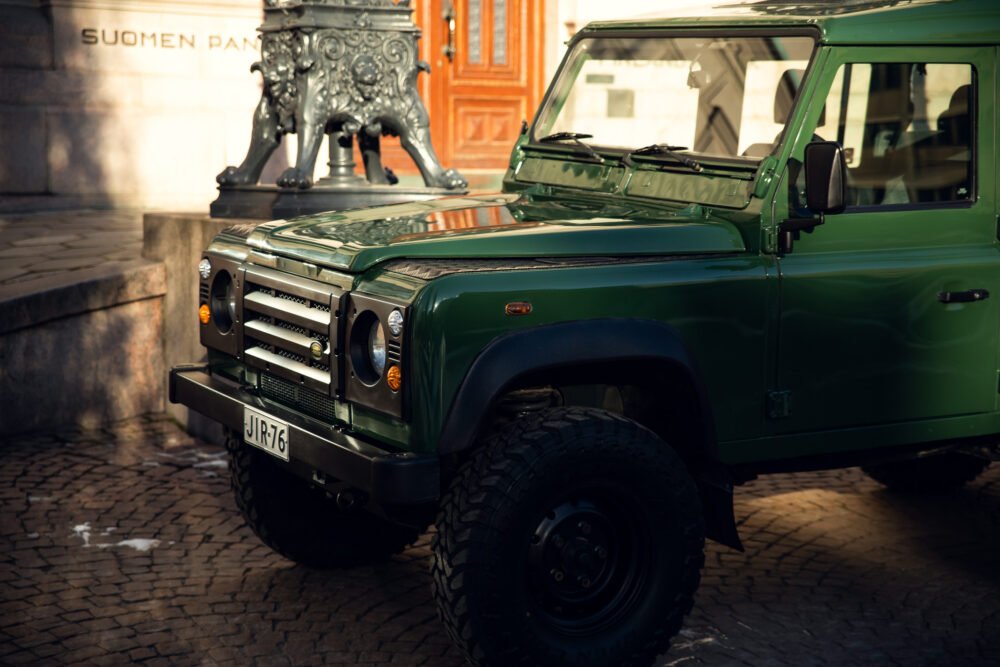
(295, 333)
(359, 388)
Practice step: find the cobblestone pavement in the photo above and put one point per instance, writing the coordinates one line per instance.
(41, 245)
(123, 545)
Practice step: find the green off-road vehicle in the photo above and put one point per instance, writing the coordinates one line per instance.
(749, 242)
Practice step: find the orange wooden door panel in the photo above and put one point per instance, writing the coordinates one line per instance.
(476, 100)
(491, 84)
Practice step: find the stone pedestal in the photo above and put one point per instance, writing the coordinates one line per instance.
(177, 240)
(341, 189)
(245, 201)
(291, 203)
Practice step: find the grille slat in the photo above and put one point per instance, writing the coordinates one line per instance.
(286, 339)
(285, 366)
(296, 313)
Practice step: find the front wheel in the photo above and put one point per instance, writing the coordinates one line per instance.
(573, 537)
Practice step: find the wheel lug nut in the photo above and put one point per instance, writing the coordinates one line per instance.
(558, 575)
(601, 552)
(583, 581)
(584, 527)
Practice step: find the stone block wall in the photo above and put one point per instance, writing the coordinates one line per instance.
(84, 351)
(124, 102)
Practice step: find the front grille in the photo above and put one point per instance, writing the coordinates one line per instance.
(285, 318)
(298, 398)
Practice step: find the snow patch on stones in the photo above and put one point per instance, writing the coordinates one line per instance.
(83, 531)
(138, 543)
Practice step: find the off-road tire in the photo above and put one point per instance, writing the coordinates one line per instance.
(301, 522)
(930, 474)
(487, 541)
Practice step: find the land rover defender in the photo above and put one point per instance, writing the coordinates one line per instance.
(760, 240)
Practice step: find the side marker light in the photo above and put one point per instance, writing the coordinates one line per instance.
(204, 314)
(394, 378)
(518, 308)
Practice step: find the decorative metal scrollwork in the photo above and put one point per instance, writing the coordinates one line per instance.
(349, 72)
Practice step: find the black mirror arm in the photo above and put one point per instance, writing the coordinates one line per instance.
(791, 229)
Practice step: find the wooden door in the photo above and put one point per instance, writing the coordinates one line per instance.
(478, 97)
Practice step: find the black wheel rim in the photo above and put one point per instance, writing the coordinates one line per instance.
(588, 561)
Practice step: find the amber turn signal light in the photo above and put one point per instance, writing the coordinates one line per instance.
(394, 378)
(518, 308)
(204, 314)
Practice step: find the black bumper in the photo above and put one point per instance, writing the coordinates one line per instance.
(387, 477)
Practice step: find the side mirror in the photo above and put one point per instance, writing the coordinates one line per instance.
(826, 177)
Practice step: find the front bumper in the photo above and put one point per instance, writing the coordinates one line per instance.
(387, 477)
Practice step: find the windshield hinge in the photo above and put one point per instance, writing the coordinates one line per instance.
(765, 174)
(779, 404)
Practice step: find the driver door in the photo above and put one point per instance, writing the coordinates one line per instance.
(874, 325)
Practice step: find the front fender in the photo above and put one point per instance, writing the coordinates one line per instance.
(514, 356)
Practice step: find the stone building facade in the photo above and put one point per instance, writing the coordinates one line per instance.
(140, 103)
(122, 102)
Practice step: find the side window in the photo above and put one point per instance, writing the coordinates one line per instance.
(907, 132)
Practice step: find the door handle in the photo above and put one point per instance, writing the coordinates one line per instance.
(968, 296)
(449, 17)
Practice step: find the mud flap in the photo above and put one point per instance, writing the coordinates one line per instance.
(716, 489)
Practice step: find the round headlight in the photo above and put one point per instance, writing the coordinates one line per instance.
(204, 268)
(223, 301)
(395, 322)
(376, 347)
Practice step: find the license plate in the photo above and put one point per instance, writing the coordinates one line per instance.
(265, 432)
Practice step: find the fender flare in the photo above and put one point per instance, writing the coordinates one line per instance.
(512, 356)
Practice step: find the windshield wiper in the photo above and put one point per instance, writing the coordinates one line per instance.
(575, 137)
(666, 150)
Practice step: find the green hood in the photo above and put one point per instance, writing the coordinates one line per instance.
(489, 226)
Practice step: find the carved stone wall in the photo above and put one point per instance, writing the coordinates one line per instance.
(125, 102)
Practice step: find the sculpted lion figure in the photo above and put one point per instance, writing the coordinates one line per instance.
(356, 82)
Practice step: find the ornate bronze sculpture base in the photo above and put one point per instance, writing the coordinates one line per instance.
(346, 68)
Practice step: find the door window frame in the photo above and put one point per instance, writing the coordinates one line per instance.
(918, 221)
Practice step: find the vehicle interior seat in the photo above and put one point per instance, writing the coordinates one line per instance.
(784, 100)
(942, 164)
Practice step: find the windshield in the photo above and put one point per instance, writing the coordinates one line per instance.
(720, 96)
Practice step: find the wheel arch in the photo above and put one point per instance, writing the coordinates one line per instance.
(636, 352)
(606, 351)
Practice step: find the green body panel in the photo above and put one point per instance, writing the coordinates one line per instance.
(707, 189)
(863, 288)
(346, 241)
(571, 173)
(719, 305)
(847, 328)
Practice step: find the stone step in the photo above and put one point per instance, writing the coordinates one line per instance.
(81, 315)
(80, 348)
